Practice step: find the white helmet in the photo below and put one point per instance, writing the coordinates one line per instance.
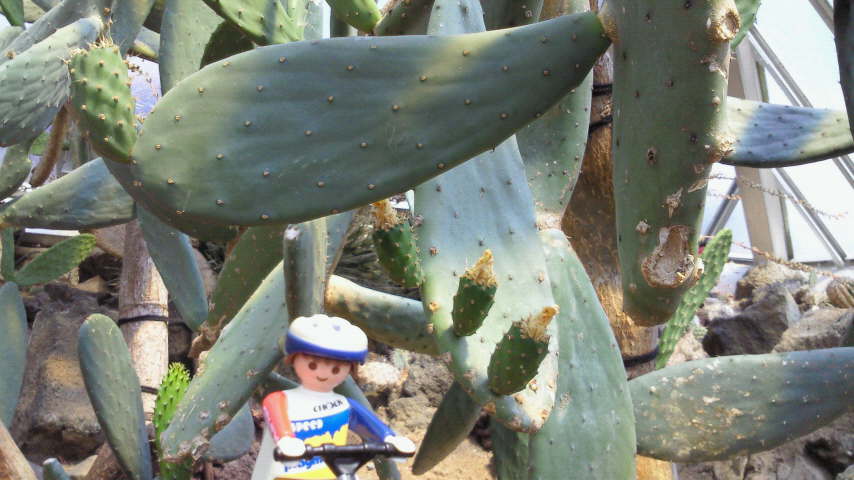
(325, 336)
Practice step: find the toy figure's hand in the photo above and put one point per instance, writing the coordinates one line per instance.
(291, 446)
(402, 444)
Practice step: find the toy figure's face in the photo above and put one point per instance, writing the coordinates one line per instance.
(318, 373)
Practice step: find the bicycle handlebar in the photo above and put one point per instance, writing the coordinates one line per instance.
(331, 451)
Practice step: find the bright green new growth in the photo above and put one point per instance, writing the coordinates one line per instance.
(519, 353)
(14, 169)
(661, 167)
(744, 403)
(171, 391)
(362, 14)
(13, 348)
(113, 389)
(475, 296)
(394, 243)
(56, 260)
(714, 257)
(100, 95)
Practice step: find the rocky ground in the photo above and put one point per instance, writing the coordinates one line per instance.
(772, 309)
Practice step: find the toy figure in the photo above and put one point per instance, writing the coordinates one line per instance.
(323, 351)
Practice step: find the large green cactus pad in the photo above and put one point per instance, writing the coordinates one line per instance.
(714, 257)
(450, 425)
(127, 17)
(396, 321)
(233, 441)
(243, 119)
(187, 26)
(13, 349)
(225, 41)
(843, 23)
(14, 11)
(486, 204)
(670, 61)
(88, 197)
(775, 136)
(265, 21)
(304, 264)
(114, 391)
(747, 12)
(718, 408)
(101, 100)
(8, 35)
(256, 253)
(15, 168)
(175, 259)
(60, 15)
(591, 429)
(34, 84)
(56, 260)
(240, 360)
(362, 14)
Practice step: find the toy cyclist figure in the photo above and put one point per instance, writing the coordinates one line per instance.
(323, 351)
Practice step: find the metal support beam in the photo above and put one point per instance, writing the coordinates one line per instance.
(762, 210)
(825, 11)
(724, 211)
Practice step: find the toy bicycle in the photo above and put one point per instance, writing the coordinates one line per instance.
(345, 460)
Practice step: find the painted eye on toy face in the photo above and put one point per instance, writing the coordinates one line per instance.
(335, 370)
(312, 365)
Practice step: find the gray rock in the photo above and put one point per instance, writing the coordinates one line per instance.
(688, 348)
(54, 417)
(414, 413)
(758, 328)
(817, 329)
(769, 273)
(714, 308)
(723, 470)
(848, 474)
(378, 378)
(428, 377)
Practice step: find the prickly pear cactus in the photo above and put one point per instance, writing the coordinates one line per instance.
(171, 391)
(114, 391)
(56, 260)
(520, 351)
(395, 246)
(475, 295)
(100, 95)
(714, 257)
(658, 213)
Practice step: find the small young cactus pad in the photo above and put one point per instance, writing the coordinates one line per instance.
(475, 295)
(519, 353)
(395, 246)
(101, 98)
(171, 391)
